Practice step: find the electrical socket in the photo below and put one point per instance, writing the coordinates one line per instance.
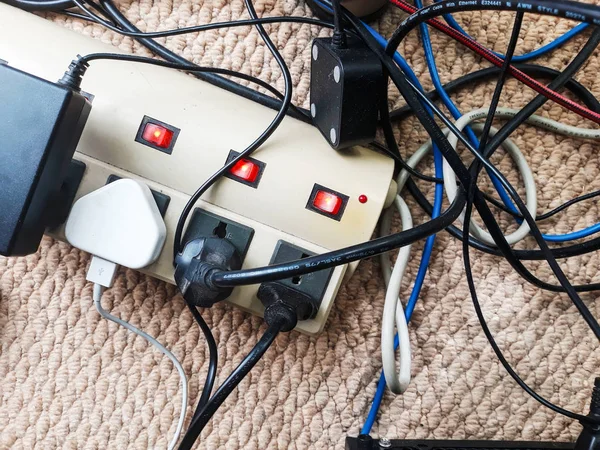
(206, 224)
(312, 284)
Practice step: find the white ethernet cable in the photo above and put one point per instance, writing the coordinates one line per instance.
(528, 179)
(398, 380)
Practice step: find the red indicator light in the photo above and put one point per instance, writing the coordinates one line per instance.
(157, 135)
(245, 170)
(363, 198)
(327, 202)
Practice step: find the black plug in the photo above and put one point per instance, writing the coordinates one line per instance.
(345, 88)
(74, 74)
(284, 304)
(302, 295)
(589, 437)
(199, 259)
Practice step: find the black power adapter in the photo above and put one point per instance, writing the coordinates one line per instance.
(345, 88)
(40, 126)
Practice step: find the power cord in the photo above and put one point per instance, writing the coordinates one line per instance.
(339, 35)
(287, 77)
(224, 83)
(281, 315)
(241, 371)
(98, 290)
(213, 358)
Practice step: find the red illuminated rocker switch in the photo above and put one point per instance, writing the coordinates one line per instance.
(327, 202)
(157, 134)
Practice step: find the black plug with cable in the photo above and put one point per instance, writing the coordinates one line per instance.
(589, 438)
(281, 315)
(196, 264)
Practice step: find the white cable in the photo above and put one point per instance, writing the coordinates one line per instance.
(98, 289)
(515, 153)
(530, 188)
(397, 382)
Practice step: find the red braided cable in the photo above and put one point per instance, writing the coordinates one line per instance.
(497, 61)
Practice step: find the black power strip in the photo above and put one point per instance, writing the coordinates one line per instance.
(365, 442)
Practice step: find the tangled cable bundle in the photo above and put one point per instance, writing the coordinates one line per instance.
(457, 195)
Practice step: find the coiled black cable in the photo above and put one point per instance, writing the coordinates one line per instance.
(213, 358)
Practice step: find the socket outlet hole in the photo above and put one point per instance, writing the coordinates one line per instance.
(221, 230)
(298, 279)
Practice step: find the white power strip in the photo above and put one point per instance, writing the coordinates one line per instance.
(208, 123)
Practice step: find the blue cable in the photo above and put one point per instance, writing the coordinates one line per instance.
(535, 53)
(414, 296)
(438, 197)
(573, 235)
(437, 83)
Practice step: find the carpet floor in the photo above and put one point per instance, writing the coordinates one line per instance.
(71, 380)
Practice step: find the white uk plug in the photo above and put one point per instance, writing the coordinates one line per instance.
(119, 223)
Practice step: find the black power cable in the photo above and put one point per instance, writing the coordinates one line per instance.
(340, 257)
(523, 255)
(199, 28)
(548, 214)
(201, 419)
(492, 341)
(168, 64)
(511, 125)
(339, 35)
(533, 70)
(213, 79)
(213, 358)
(392, 145)
(467, 220)
(252, 147)
(512, 45)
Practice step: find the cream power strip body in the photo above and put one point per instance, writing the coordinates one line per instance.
(208, 124)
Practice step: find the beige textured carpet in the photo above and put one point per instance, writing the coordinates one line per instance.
(70, 380)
